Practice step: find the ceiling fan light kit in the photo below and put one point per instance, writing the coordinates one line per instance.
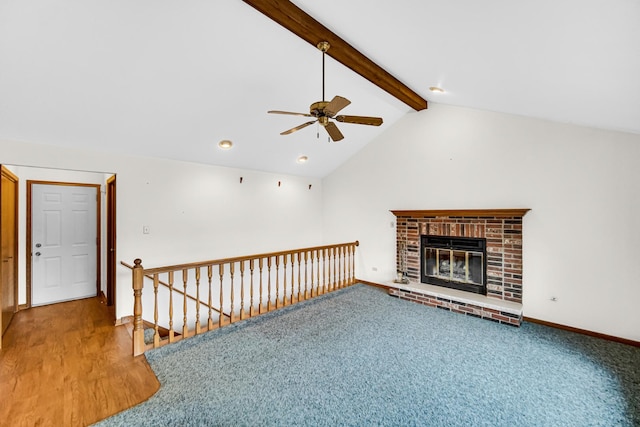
(323, 111)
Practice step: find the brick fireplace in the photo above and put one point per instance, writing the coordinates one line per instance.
(502, 231)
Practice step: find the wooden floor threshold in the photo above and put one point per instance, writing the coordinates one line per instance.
(67, 364)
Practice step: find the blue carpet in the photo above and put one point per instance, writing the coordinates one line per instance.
(360, 357)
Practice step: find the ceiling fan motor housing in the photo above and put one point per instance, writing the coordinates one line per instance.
(317, 108)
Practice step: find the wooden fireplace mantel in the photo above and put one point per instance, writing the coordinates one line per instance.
(463, 212)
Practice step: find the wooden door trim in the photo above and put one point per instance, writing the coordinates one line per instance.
(111, 239)
(12, 177)
(29, 245)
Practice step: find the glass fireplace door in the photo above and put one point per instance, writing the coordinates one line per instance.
(454, 265)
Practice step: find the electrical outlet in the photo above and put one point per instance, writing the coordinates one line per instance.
(374, 268)
(145, 229)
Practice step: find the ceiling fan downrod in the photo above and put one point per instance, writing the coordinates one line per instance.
(324, 47)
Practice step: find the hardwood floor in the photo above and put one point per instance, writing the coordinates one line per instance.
(68, 365)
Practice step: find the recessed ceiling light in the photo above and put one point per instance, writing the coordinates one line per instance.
(302, 159)
(436, 89)
(225, 144)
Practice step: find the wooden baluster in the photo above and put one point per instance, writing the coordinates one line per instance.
(344, 266)
(231, 292)
(269, 284)
(306, 286)
(277, 281)
(197, 300)
(314, 293)
(329, 288)
(318, 282)
(299, 281)
(348, 270)
(185, 326)
(242, 312)
(338, 277)
(327, 262)
(353, 260)
(347, 282)
(171, 330)
(336, 266)
(138, 329)
(261, 307)
(252, 310)
(347, 265)
(347, 251)
(337, 262)
(293, 280)
(210, 275)
(221, 320)
(285, 259)
(337, 271)
(334, 285)
(325, 288)
(156, 333)
(332, 277)
(327, 266)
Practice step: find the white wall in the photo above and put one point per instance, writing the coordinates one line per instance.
(581, 237)
(194, 212)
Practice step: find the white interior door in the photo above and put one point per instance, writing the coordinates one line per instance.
(64, 243)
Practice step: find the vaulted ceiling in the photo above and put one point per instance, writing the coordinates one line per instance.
(171, 79)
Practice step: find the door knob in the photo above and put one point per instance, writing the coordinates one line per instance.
(38, 245)
(38, 254)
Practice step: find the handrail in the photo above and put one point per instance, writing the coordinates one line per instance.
(166, 285)
(240, 258)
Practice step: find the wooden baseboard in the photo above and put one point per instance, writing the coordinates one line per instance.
(583, 332)
(124, 320)
(377, 285)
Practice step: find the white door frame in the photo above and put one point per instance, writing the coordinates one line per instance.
(29, 243)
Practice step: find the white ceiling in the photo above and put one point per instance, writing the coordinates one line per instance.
(172, 78)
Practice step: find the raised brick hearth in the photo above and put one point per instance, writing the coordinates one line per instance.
(502, 229)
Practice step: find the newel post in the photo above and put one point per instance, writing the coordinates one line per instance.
(138, 329)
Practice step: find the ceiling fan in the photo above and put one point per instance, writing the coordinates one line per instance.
(323, 111)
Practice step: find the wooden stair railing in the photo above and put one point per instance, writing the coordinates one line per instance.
(160, 282)
(242, 287)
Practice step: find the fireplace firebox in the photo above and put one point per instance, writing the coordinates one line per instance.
(454, 262)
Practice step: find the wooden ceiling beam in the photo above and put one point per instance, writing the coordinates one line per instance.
(307, 28)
